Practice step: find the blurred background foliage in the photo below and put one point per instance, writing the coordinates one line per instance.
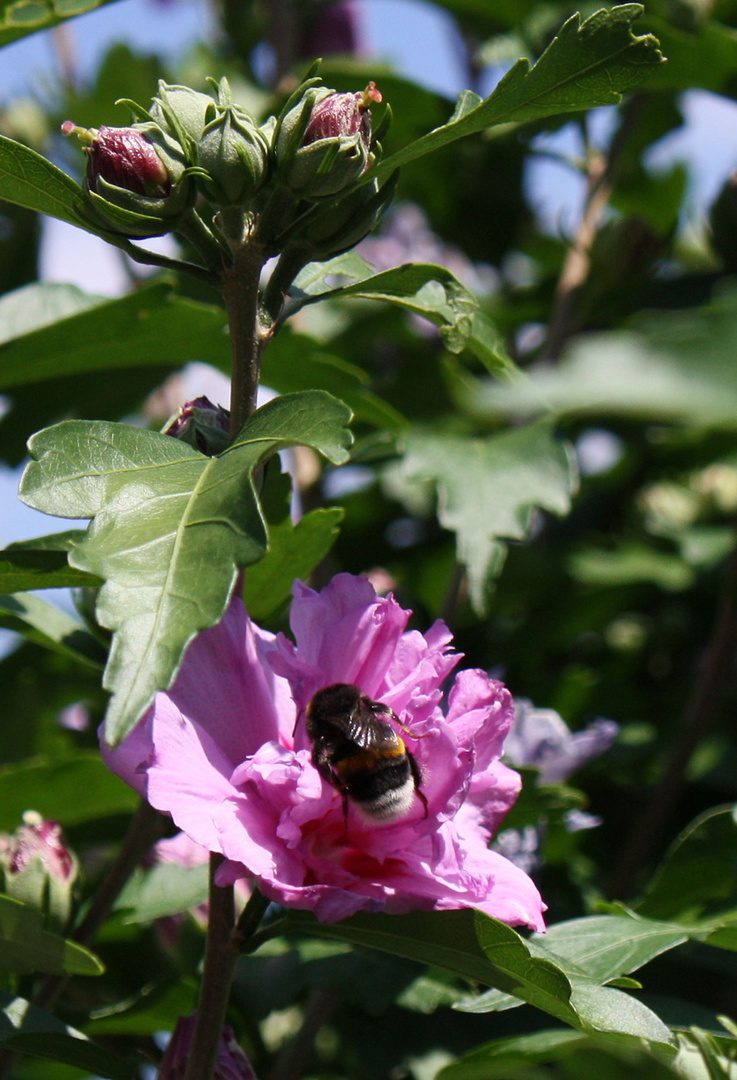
(623, 318)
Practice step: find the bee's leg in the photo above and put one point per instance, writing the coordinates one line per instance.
(406, 730)
(414, 769)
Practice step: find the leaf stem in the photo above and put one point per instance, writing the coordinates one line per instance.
(151, 258)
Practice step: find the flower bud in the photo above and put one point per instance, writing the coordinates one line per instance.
(333, 227)
(135, 177)
(201, 424)
(182, 114)
(324, 142)
(37, 867)
(233, 152)
(232, 1063)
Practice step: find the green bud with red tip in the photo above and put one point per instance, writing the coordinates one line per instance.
(38, 868)
(324, 142)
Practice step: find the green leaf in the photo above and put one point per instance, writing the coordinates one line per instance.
(602, 1008)
(155, 1008)
(21, 17)
(497, 956)
(588, 64)
(503, 1058)
(677, 368)
(167, 889)
(47, 625)
(28, 179)
(196, 520)
(37, 305)
(430, 291)
(605, 1057)
(589, 952)
(295, 362)
(488, 488)
(294, 552)
(630, 562)
(71, 788)
(25, 569)
(25, 947)
(606, 946)
(26, 1029)
(150, 326)
(699, 869)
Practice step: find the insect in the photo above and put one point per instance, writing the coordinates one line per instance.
(358, 751)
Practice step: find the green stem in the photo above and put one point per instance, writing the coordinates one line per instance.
(240, 287)
(292, 260)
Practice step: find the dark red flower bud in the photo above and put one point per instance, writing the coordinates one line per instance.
(201, 424)
(124, 157)
(136, 177)
(232, 1063)
(343, 114)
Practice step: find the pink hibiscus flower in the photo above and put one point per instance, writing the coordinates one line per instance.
(226, 753)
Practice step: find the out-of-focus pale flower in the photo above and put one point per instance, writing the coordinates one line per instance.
(541, 739)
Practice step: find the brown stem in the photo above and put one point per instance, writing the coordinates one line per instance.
(699, 716)
(221, 954)
(240, 288)
(600, 172)
(577, 262)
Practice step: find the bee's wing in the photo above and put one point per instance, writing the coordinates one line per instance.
(369, 731)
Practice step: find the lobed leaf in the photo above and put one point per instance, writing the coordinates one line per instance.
(424, 289)
(487, 489)
(586, 65)
(171, 528)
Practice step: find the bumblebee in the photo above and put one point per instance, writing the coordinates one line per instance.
(356, 749)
